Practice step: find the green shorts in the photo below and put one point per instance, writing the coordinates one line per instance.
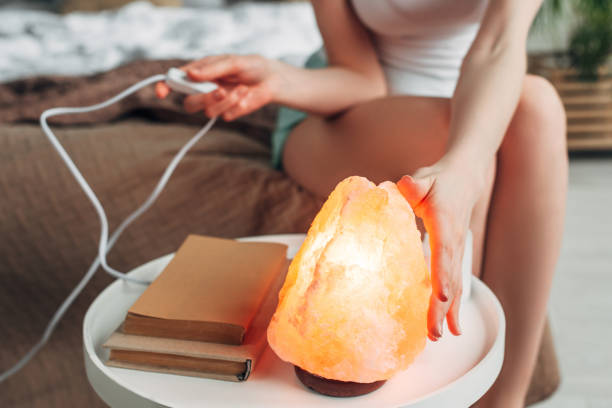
(289, 118)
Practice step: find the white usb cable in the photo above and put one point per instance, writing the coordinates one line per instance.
(178, 82)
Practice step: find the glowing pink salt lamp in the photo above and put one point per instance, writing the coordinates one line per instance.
(353, 309)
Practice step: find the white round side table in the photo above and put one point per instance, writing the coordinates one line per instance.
(453, 372)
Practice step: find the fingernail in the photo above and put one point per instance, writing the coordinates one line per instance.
(432, 337)
(218, 95)
(442, 296)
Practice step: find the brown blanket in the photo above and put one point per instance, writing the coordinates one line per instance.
(49, 230)
(24, 100)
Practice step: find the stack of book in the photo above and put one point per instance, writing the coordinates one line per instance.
(206, 314)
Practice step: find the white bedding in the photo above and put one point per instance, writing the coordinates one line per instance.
(39, 42)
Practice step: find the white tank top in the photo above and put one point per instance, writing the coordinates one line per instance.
(421, 43)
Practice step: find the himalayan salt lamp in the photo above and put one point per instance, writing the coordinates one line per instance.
(353, 308)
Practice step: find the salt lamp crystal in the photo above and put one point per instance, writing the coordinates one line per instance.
(354, 304)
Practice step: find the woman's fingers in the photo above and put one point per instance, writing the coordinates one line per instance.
(439, 310)
(232, 98)
(415, 191)
(161, 90)
(222, 102)
(210, 69)
(240, 101)
(447, 243)
(446, 278)
(254, 99)
(453, 316)
(435, 318)
(198, 102)
(439, 302)
(441, 262)
(242, 88)
(202, 61)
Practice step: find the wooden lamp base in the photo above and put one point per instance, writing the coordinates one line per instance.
(335, 388)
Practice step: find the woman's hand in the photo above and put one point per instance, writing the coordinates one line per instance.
(443, 195)
(246, 83)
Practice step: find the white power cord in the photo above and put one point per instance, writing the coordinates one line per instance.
(105, 244)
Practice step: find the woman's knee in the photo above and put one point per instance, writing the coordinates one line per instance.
(539, 122)
(542, 114)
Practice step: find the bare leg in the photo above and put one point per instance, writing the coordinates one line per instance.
(524, 232)
(387, 138)
(382, 140)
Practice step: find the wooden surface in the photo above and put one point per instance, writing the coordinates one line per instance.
(335, 388)
(589, 108)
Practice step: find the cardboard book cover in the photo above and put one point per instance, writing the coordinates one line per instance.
(210, 291)
(197, 358)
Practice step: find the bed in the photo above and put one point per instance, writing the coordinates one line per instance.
(224, 187)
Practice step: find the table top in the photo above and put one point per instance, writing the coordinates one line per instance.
(455, 371)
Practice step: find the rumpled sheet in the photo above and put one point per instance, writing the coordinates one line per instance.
(42, 43)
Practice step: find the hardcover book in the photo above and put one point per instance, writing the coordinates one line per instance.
(210, 291)
(206, 314)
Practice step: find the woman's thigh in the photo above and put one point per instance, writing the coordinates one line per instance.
(382, 140)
